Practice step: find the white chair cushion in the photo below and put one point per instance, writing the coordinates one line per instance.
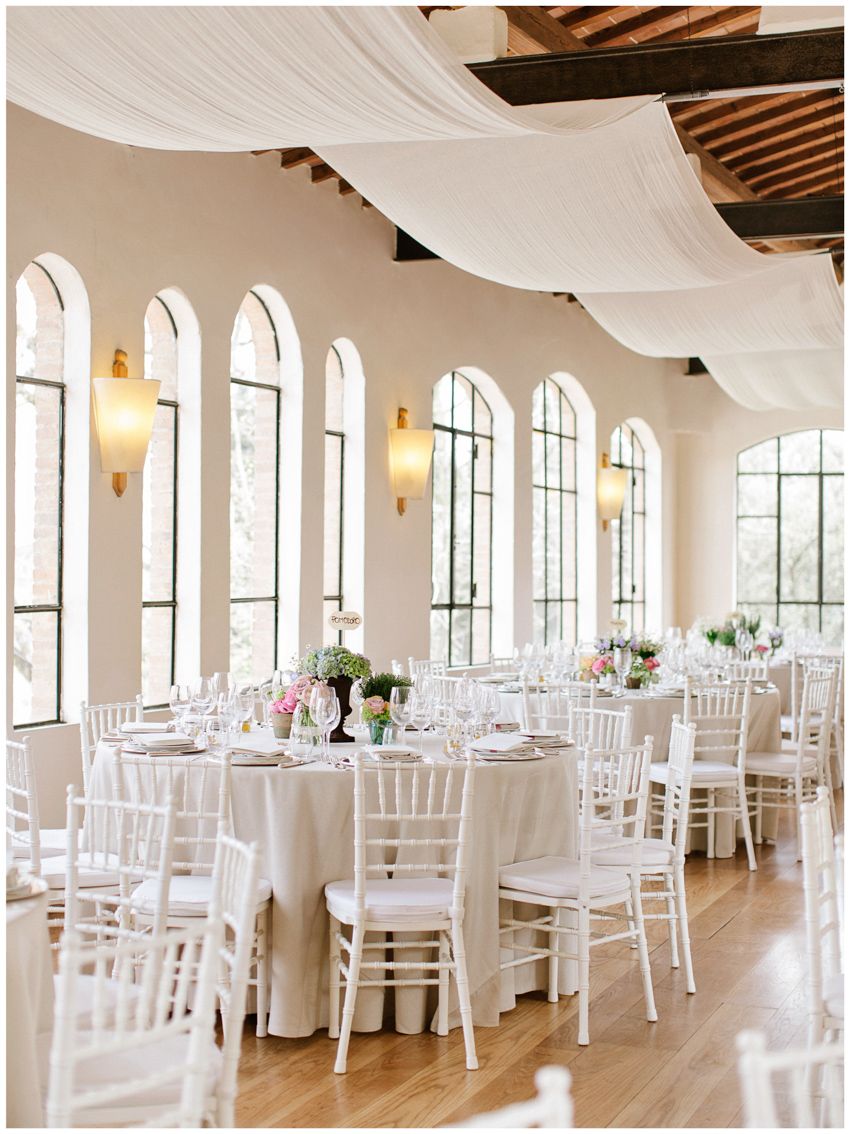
(125, 1066)
(705, 771)
(85, 997)
(560, 878)
(189, 895)
(779, 764)
(54, 871)
(390, 899)
(833, 995)
(653, 852)
(53, 843)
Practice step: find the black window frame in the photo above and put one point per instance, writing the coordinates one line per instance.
(170, 604)
(619, 601)
(339, 597)
(56, 608)
(777, 602)
(472, 606)
(557, 600)
(274, 598)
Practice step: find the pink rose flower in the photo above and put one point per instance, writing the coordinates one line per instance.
(652, 663)
(761, 649)
(279, 706)
(599, 664)
(375, 705)
(295, 693)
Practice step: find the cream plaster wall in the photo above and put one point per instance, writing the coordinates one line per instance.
(133, 222)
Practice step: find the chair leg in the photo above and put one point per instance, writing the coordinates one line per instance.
(744, 812)
(333, 981)
(354, 960)
(670, 906)
(630, 921)
(710, 823)
(459, 951)
(554, 944)
(682, 905)
(798, 799)
(827, 775)
(643, 953)
(263, 958)
(584, 976)
(443, 989)
(759, 809)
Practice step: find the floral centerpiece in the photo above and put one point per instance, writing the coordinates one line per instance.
(337, 667)
(724, 634)
(775, 637)
(376, 705)
(644, 652)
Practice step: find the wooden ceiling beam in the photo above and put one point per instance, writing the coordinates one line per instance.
(531, 30)
(582, 15)
(738, 144)
(626, 28)
(823, 103)
(321, 172)
(827, 179)
(789, 162)
(724, 20)
(786, 146)
(713, 64)
(290, 158)
(698, 116)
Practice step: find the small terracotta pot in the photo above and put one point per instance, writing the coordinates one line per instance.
(633, 683)
(281, 724)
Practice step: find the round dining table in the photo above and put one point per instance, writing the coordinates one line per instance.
(29, 1007)
(302, 819)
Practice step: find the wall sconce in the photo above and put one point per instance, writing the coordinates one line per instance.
(124, 410)
(610, 491)
(410, 461)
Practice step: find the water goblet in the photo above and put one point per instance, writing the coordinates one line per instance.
(323, 707)
(421, 714)
(179, 699)
(400, 705)
(357, 697)
(622, 664)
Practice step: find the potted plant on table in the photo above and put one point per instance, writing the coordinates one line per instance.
(337, 667)
(376, 704)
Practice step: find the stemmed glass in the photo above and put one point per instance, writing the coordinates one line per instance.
(246, 701)
(489, 705)
(180, 701)
(324, 707)
(463, 703)
(622, 664)
(356, 697)
(228, 714)
(421, 713)
(202, 701)
(744, 641)
(401, 705)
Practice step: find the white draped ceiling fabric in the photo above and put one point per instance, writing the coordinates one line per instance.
(595, 198)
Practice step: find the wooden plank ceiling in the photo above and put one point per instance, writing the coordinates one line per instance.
(768, 146)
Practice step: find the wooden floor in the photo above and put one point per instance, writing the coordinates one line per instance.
(748, 948)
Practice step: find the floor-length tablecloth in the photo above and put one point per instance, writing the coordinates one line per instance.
(29, 1006)
(302, 819)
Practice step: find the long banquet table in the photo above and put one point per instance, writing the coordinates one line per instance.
(302, 819)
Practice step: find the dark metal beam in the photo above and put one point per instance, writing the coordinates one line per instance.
(684, 67)
(810, 217)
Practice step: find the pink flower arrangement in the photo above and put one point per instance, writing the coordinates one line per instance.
(376, 706)
(602, 665)
(279, 706)
(651, 663)
(299, 690)
(762, 650)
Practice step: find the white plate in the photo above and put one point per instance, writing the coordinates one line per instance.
(144, 726)
(392, 753)
(509, 758)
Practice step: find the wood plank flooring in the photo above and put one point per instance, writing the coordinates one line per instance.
(748, 947)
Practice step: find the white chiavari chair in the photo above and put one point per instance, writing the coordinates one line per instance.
(425, 667)
(548, 706)
(551, 1109)
(503, 665)
(25, 836)
(141, 1057)
(839, 878)
(613, 806)
(793, 1098)
(786, 779)
(96, 721)
(663, 859)
(201, 790)
(600, 728)
(721, 716)
(825, 979)
(753, 670)
(417, 821)
(444, 687)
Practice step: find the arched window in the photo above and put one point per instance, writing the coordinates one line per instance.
(554, 515)
(255, 424)
(39, 476)
(790, 531)
(628, 534)
(334, 543)
(159, 510)
(462, 523)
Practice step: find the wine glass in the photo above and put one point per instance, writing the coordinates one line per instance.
(401, 705)
(221, 682)
(202, 701)
(179, 699)
(489, 705)
(323, 707)
(622, 664)
(463, 703)
(246, 701)
(228, 714)
(357, 697)
(303, 733)
(744, 641)
(421, 713)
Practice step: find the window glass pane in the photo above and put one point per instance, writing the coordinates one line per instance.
(461, 637)
(759, 458)
(441, 520)
(568, 537)
(462, 403)
(461, 583)
(833, 539)
(756, 560)
(483, 465)
(481, 564)
(798, 550)
(161, 349)
(800, 452)
(539, 628)
(638, 559)
(334, 392)
(483, 419)
(568, 417)
(553, 461)
(38, 451)
(158, 506)
(568, 465)
(537, 407)
(538, 521)
(553, 544)
(157, 654)
(253, 345)
(252, 640)
(538, 458)
(480, 637)
(638, 490)
(553, 407)
(35, 680)
(440, 635)
(833, 450)
(27, 328)
(569, 632)
(799, 616)
(333, 515)
(757, 495)
(443, 402)
(553, 622)
(253, 490)
(832, 625)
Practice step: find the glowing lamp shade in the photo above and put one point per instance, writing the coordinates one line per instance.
(410, 463)
(610, 492)
(124, 410)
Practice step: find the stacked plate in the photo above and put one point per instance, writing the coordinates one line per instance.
(545, 739)
(392, 753)
(161, 744)
(505, 748)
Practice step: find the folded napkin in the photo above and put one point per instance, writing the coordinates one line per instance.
(144, 726)
(499, 742)
(169, 740)
(259, 744)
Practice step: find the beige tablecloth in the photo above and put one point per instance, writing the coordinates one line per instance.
(303, 820)
(29, 1006)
